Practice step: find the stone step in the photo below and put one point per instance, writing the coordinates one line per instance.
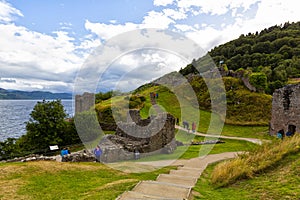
(130, 195)
(179, 180)
(199, 169)
(164, 190)
(185, 172)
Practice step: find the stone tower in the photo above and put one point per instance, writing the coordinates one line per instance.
(84, 102)
(286, 110)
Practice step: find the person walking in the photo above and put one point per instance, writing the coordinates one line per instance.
(193, 127)
(64, 152)
(98, 153)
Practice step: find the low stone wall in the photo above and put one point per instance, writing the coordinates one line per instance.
(32, 157)
(147, 136)
(81, 156)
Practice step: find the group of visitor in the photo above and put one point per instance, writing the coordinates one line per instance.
(154, 95)
(186, 126)
(281, 135)
(97, 152)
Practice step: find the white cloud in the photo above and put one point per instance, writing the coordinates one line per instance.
(7, 12)
(184, 27)
(174, 14)
(153, 19)
(156, 20)
(272, 12)
(162, 2)
(106, 31)
(36, 84)
(214, 7)
(31, 55)
(48, 61)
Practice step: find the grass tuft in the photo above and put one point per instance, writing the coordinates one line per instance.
(254, 162)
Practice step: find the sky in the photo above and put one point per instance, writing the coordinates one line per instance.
(46, 45)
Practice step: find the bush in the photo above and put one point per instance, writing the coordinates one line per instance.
(258, 80)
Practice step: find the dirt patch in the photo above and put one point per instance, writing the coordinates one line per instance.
(109, 185)
(9, 188)
(53, 167)
(6, 171)
(129, 167)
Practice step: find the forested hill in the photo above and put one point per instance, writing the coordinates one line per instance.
(274, 52)
(16, 94)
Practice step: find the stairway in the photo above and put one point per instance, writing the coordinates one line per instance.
(178, 183)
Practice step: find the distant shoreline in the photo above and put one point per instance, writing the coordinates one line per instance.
(34, 95)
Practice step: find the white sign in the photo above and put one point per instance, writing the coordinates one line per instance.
(54, 147)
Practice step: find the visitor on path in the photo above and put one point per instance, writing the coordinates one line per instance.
(98, 153)
(68, 150)
(136, 154)
(64, 152)
(280, 134)
(156, 95)
(289, 134)
(184, 124)
(193, 127)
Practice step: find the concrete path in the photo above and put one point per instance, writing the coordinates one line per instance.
(178, 183)
(253, 140)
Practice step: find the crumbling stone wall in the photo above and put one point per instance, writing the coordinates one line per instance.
(147, 136)
(286, 109)
(84, 102)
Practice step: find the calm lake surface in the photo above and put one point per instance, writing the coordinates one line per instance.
(15, 113)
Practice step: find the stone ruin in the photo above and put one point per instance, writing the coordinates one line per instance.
(84, 102)
(149, 136)
(80, 156)
(286, 110)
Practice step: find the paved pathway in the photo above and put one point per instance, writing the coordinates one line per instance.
(178, 183)
(253, 140)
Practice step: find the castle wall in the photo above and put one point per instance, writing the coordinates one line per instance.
(285, 109)
(84, 102)
(148, 136)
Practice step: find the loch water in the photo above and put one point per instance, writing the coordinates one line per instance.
(15, 113)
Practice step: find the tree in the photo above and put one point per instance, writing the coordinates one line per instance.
(87, 126)
(8, 148)
(258, 80)
(46, 125)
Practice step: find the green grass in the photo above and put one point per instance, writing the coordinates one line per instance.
(51, 180)
(255, 162)
(260, 132)
(192, 151)
(187, 111)
(168, 101)
(279, 182)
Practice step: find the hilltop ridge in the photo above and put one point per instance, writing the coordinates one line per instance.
(17, 94)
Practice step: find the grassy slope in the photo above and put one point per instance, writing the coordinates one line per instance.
(269, 172)
(279, 182)
(52, 180)
(168, 101)
(192, 151)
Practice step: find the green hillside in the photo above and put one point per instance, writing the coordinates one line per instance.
(264, 61)
(274, 52)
